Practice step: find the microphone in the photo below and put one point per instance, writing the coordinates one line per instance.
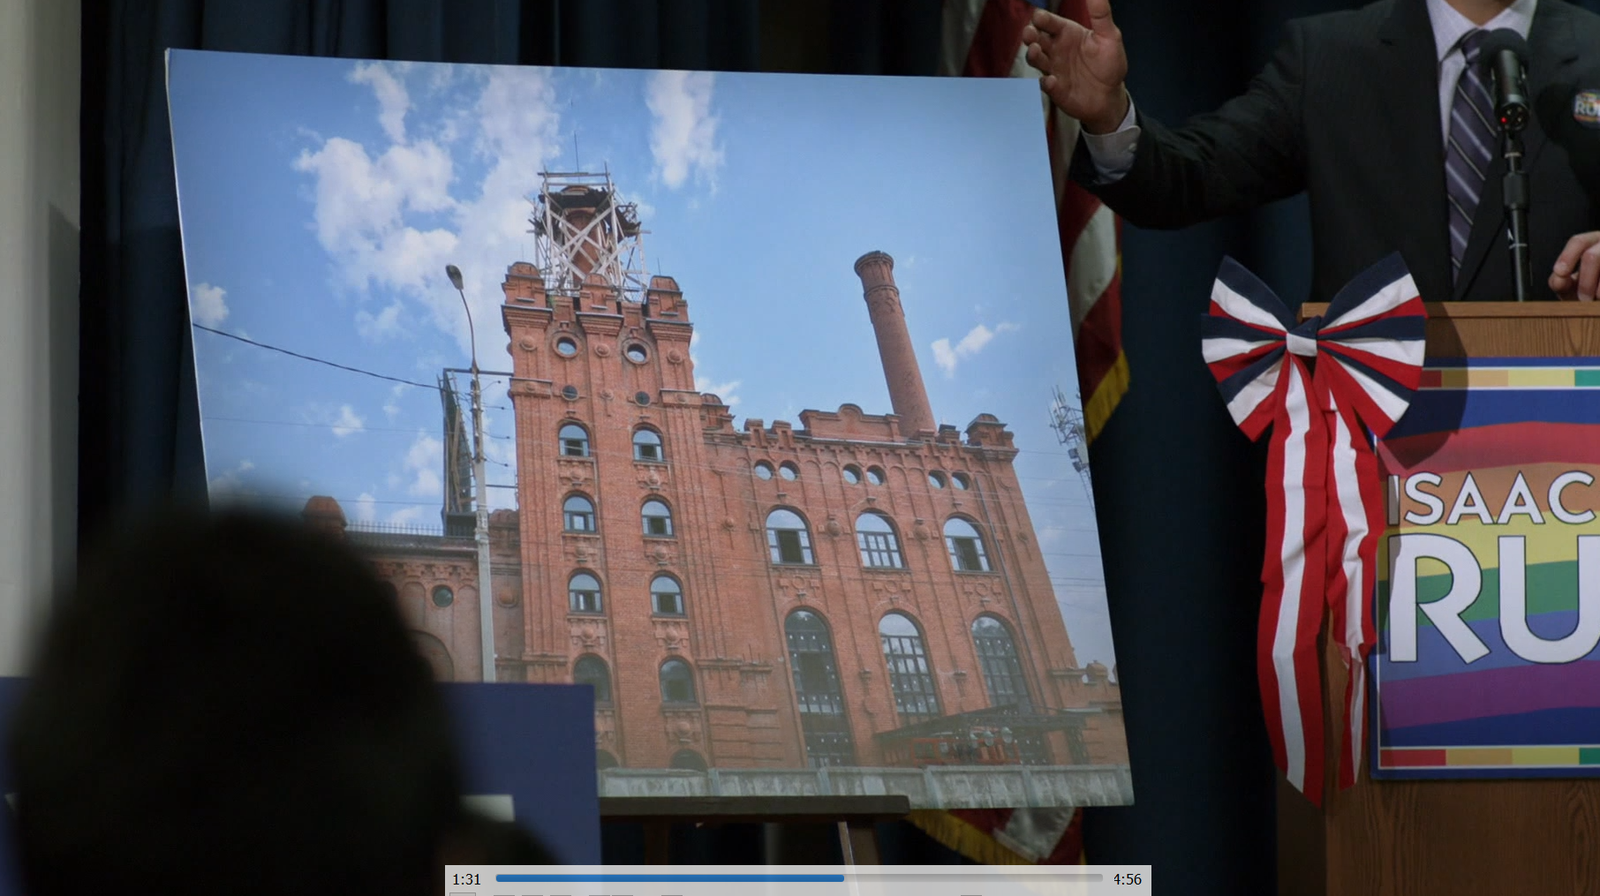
(1504, 54)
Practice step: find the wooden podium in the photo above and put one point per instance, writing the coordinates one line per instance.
(1450, 838)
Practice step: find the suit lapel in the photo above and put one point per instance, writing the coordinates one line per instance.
(1550, 50)
(1410, 71)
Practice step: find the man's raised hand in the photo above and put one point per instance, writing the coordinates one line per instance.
(1084, 68)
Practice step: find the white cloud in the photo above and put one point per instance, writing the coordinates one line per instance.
(365, 508)
(702, 383)
(947, 356)
(383, 325)
(391, 408)
(393, 100)
(422, 463)
(347, 422)
(392, 216)
(723, 391)
(361, 204)
(231, 484)
(683, 135)
(209, 306)
(405, 516)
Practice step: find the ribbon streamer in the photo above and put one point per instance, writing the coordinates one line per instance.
(1321, 386)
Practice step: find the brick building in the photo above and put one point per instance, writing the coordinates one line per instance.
(861, 593)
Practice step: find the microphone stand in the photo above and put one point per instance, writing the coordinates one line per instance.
(1514, 190)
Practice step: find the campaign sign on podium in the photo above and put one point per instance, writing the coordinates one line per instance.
(1489, 597)
(526, 751)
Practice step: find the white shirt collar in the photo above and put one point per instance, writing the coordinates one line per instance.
(1449, 25)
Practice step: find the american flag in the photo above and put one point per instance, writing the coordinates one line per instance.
(983, 39)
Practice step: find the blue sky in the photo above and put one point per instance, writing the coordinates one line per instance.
(322, 198)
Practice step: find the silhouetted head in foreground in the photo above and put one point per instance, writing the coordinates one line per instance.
(227, 703)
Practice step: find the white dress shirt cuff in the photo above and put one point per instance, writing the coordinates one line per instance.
(1112, 154)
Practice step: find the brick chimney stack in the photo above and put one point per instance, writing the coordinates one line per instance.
(906, 391)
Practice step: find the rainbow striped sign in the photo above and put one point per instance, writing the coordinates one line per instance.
(1489, 593)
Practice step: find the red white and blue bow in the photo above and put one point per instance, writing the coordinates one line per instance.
(1324, 494)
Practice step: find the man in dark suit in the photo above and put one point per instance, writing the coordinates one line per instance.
(1383, 116)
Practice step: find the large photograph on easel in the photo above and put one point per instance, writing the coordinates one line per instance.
(752, 397)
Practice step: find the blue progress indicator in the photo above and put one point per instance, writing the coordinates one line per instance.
(670, 878)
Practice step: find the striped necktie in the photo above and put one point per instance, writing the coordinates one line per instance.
(1469, 148)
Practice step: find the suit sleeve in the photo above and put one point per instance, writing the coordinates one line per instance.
(1245, 154)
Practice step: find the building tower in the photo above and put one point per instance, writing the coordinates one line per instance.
(907, 394)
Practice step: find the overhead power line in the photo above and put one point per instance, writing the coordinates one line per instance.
(304, 357)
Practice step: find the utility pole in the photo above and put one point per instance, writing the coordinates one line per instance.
(481, 527)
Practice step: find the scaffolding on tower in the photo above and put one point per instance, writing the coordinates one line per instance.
(583, 227)
(1067, 420)
(459, 508)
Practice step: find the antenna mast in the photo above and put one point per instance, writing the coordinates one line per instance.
(1067, 421)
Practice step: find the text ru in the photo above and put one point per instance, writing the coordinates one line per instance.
(1466, 573)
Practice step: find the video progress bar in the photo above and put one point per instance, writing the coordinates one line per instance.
(670, 878)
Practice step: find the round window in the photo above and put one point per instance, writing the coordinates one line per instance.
(637, 353)
(566, 346)
(643, 398)
(570, 393)
(960, 480)
(875, 475)
(443, 596)
(789, 472)
(936, 479)
(763, 470)
(852, 474)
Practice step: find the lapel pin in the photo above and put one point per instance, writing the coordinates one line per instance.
(1586, 108)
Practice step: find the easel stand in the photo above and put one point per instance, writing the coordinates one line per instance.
(855, 817)
(1455, 837)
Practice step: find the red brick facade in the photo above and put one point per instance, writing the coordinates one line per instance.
(875, 494)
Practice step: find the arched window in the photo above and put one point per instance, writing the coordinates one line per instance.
(817, 689)
(788, 539)
(583, 590)
(603, 759)
(689, 760)
(677, 682)
(880, 547)
(966, 546)
(657, 518)
(647, 446)
(910, 673)
(1002, 666)
(577, 514)
(574, 441)
(592, 671)
(666, 596)
(437, 655)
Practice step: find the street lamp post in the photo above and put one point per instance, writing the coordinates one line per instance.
(481, 525)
